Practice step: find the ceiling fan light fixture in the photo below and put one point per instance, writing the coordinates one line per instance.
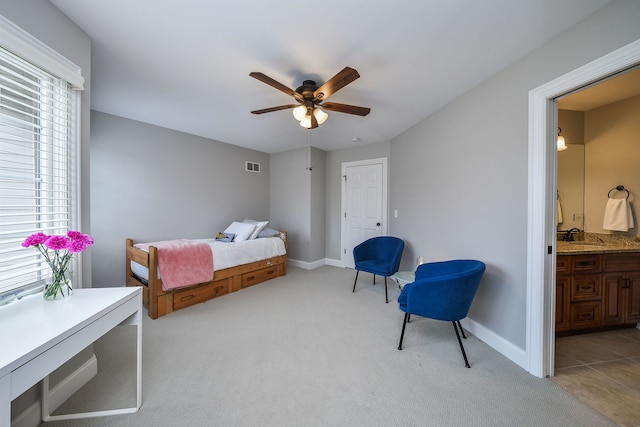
(306, 122)
(321, 116)
(299, 112)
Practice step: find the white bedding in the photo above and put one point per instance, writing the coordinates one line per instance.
(226, 255)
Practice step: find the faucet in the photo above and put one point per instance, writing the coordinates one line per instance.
(568, 237)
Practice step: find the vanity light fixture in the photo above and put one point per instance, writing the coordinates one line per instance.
(561, 143)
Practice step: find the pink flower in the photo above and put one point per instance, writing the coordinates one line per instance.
(57, 243)
(74, 235)
(35, 239)
(72, 242)
(79, 242)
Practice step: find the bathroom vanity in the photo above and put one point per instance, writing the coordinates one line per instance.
(597, 285)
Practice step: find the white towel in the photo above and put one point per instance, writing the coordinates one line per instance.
(617, 215)
(559, 211)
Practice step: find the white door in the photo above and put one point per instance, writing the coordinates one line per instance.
(364, 204)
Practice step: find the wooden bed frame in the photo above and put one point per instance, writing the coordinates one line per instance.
(160, 302)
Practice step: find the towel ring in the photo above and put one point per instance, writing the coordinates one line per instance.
(618, 188)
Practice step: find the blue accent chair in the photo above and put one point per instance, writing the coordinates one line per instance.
(442, 291)
(379, 255)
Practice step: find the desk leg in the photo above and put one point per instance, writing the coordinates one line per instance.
(137, 318)
(5, 401)
(134, 319)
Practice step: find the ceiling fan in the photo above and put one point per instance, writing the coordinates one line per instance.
(309, 97)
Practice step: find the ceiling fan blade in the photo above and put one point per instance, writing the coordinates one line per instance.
(278, 108)
(335, 83)
(345, 108)
(271, 82)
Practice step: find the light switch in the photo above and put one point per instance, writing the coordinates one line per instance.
(395, 213)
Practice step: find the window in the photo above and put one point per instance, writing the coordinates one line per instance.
(38, 167)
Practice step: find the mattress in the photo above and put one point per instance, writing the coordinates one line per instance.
(226, 255)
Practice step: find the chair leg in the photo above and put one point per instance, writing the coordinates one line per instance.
(374, 279)
(386, 296)
(355, 281)
(404, 324)
(464, 355)
(461, 330)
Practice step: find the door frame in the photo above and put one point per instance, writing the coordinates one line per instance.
(541, 233)
(385, 206)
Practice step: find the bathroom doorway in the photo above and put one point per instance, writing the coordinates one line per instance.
(540, 338)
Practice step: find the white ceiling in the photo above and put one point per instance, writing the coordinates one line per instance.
(185, 64)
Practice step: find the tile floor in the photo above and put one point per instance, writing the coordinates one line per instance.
(603, 370)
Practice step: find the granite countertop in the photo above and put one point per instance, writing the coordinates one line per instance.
(594, 243)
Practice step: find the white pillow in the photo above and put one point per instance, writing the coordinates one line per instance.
(242, 230)
(260, 225)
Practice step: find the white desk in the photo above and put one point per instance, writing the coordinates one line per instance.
(38, 336)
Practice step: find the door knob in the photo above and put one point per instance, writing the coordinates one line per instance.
(378, 224)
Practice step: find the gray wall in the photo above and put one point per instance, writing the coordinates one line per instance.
(298, 201)
(150, 183)
(318, 192)
(459, 178)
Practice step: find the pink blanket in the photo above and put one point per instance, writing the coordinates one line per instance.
(182, 262)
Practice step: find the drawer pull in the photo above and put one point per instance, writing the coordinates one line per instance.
(251, 278)
(187, 297)
(218, 289)
(270, 272)
(586, 316)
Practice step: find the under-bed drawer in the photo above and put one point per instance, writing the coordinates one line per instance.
(258, 276)
(193, 296)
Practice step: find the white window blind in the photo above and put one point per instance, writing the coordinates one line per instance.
(37, 163)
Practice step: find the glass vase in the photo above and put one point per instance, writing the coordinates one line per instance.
(57, 286)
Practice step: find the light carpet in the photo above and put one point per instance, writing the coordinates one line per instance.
(303, 350)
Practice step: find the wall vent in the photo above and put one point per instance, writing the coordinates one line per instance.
(252, 167)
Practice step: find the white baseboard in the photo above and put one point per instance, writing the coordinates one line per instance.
(32, 417)
(315, 264)
(304, 264)
(333, 262)
(502, 346)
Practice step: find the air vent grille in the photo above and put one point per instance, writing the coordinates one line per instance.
(252, 167)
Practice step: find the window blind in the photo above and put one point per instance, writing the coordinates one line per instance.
(36, 160)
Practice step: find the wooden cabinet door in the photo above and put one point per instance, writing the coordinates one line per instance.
(562, 302)
(613, 310)
(632, 311)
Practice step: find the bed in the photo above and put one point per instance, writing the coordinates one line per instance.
(236, 265)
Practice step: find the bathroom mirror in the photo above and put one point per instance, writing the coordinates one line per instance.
(571, 171)
(571, 187)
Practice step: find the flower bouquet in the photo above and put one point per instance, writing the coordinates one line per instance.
(57, 251)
